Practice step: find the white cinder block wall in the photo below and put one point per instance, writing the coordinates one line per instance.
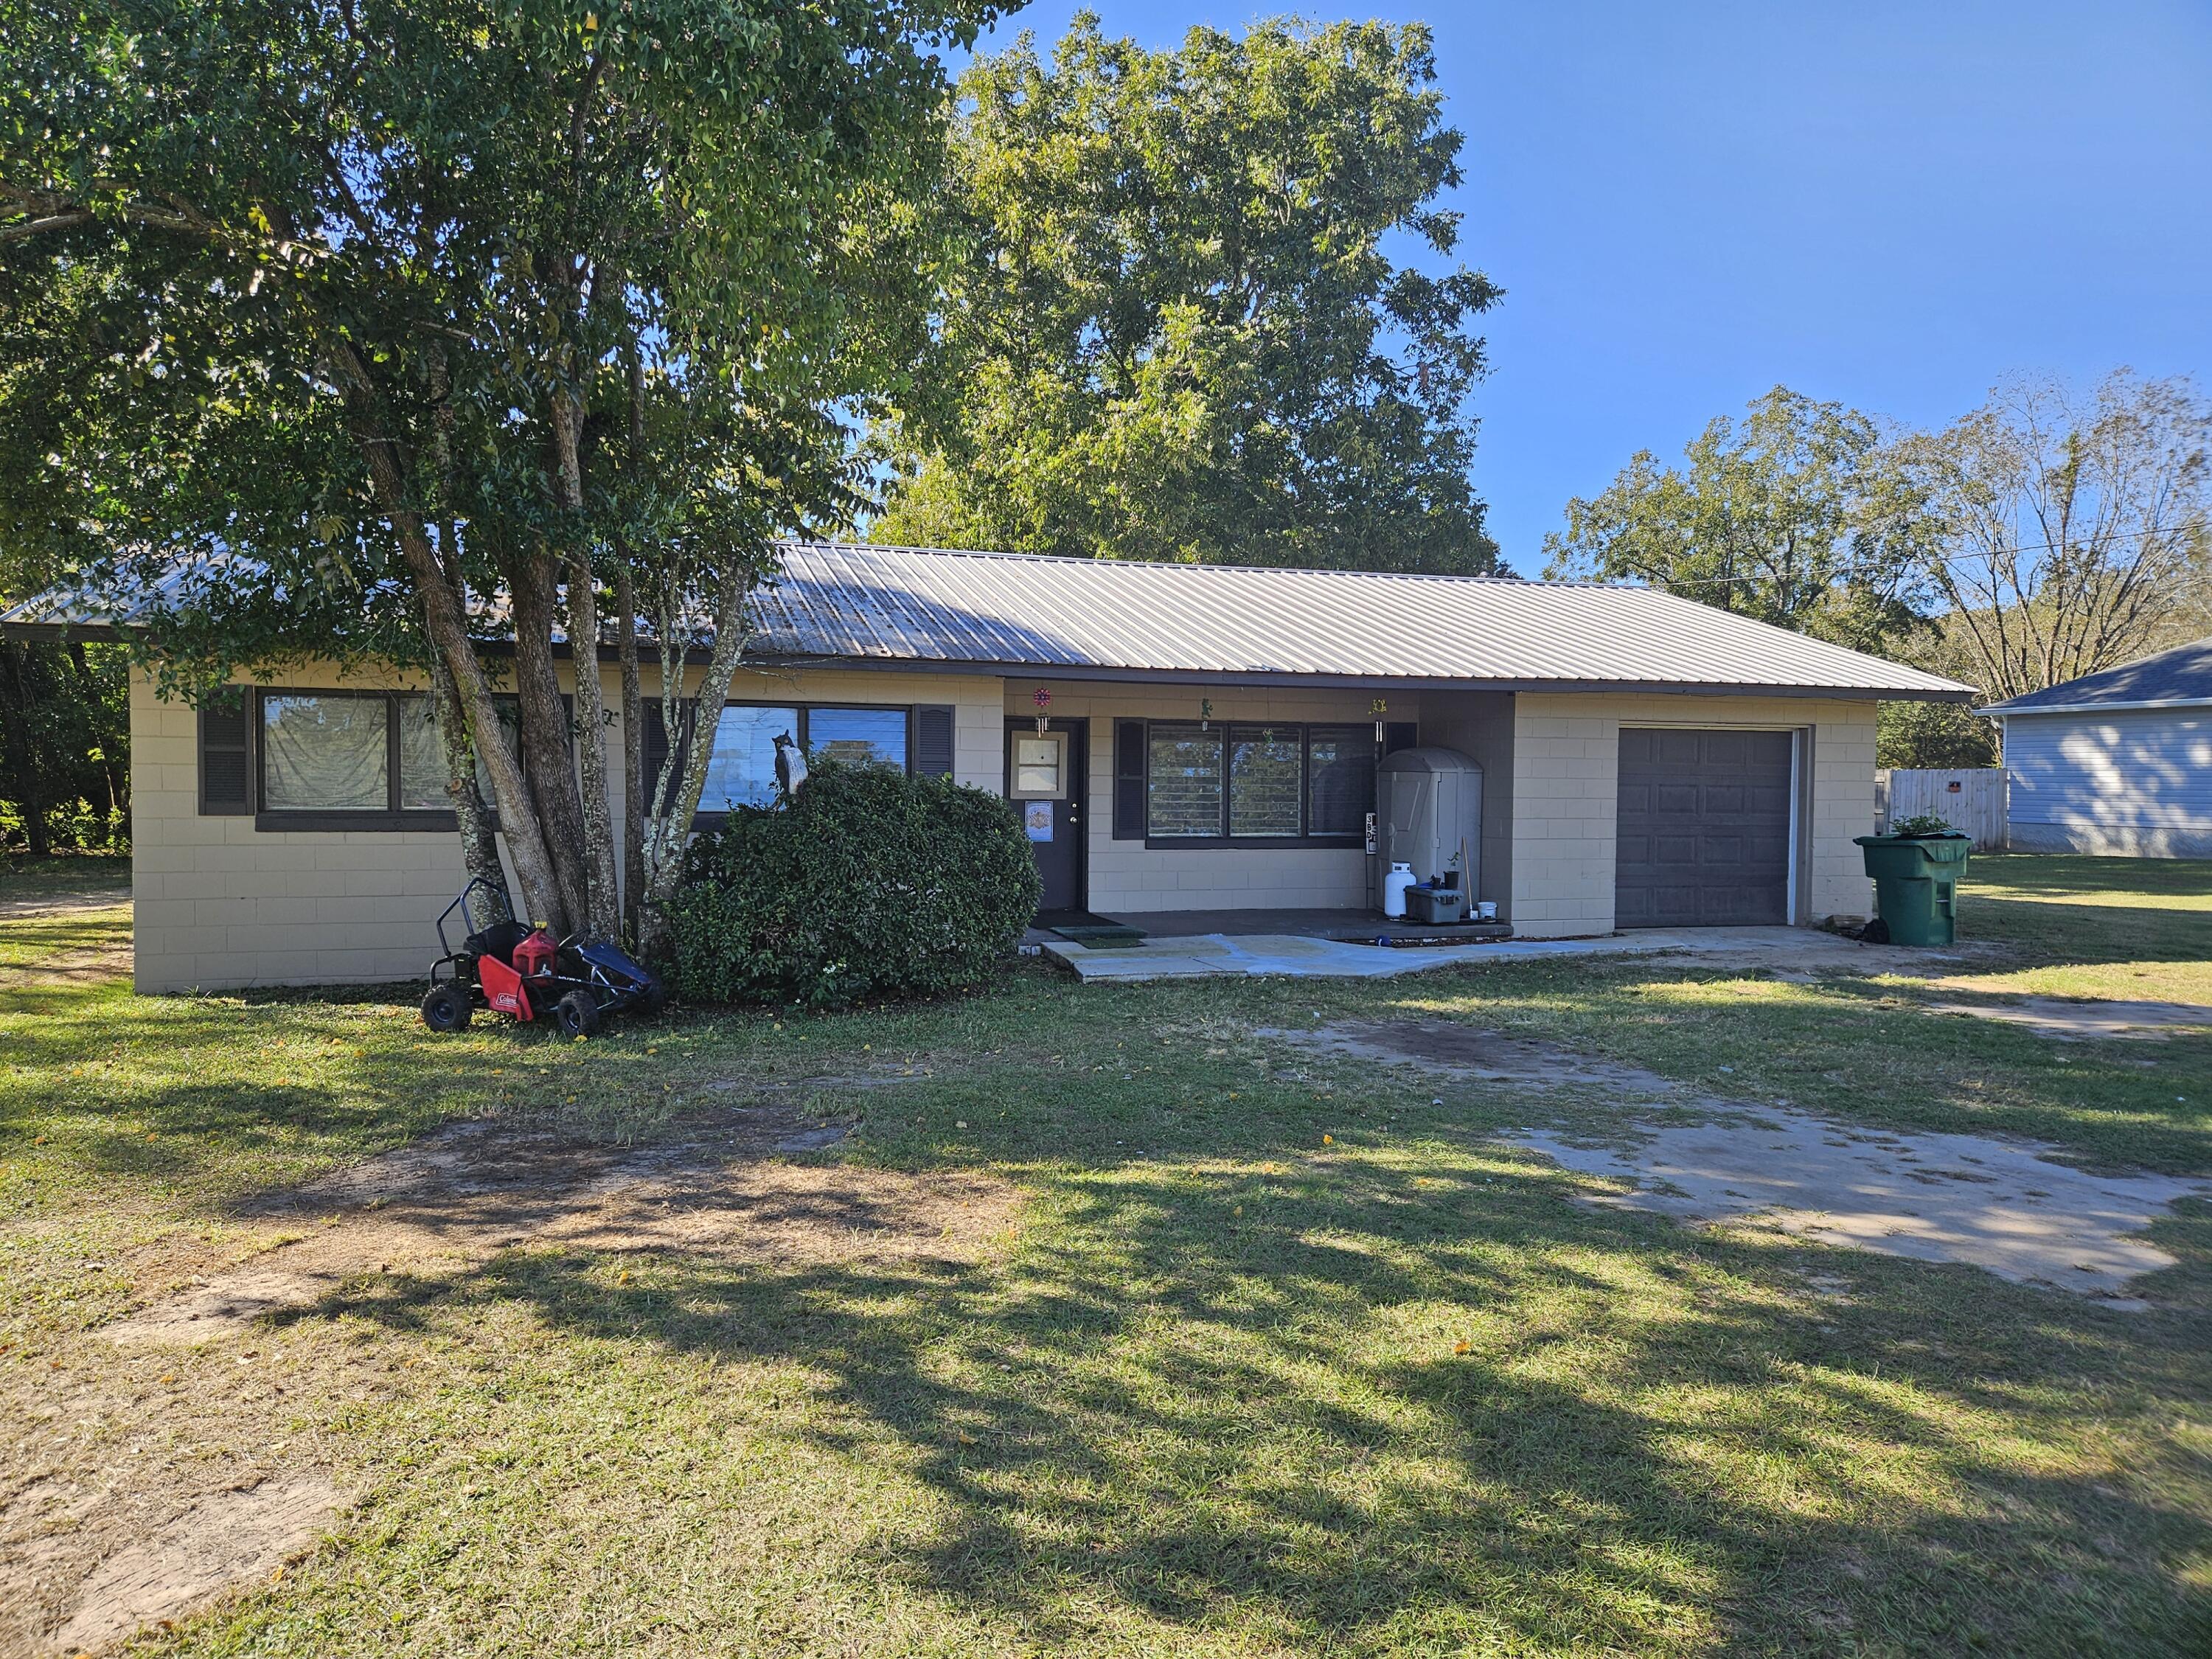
(220, 905)
(1566, 770)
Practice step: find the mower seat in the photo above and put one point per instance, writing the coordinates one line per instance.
(498, 941)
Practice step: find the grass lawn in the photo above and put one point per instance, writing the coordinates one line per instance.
(1278, 1355)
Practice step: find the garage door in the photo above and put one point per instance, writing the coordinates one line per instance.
(1703, 834)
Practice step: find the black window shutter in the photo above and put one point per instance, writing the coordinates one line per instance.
(1400, 734)
(1129, 780)
(933, 741)
(226, 756)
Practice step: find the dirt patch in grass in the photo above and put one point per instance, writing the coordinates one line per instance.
(1469, 1053)
(98, 1540)
(449, 1201)
(227, 1537)
(2003, 1206)
(2068, 1020)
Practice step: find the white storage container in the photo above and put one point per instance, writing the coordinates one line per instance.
(1428, 813)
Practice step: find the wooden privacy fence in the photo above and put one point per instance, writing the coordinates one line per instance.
(1972, 800)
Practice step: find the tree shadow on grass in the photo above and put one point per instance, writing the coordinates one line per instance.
(1173, 1418)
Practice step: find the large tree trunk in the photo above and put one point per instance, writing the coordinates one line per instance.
(604, 914)
(479, 841)
(668, 832)
(633, 747)
(547, 731)
(447, 623)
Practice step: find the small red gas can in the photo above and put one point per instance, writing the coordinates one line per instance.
(533, 957)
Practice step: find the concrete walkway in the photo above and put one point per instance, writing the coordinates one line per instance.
(1252, 956)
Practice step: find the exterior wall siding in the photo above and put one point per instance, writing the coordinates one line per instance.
(2133, 783)
(1567, 759)
(220, 905)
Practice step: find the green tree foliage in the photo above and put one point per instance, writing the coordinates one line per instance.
(452, 307)
(1173, 331)
(2075, 531)
(1797, 516)
(64, 745)
(1941, 735)
(868, 884)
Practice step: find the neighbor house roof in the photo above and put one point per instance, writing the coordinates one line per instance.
(2180, 679)
(1124, 619)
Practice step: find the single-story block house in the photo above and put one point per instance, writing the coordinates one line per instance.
(2118, 763)
(1210, 742)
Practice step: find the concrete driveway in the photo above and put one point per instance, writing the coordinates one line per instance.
(1253, 956)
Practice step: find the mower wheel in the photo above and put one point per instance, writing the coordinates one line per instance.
(446, 1008)
(576, 1014)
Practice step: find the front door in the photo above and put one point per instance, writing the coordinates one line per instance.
(1045, 780)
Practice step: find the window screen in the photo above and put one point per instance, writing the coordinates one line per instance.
(324, 753)
(1339, 780)
(863, 736)
(743, 770)
(1264, 767)
(1183, 783)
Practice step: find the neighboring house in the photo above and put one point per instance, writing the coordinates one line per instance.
(2120, 762)
(1212, 739)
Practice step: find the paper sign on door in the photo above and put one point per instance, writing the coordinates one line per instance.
(1036, 816)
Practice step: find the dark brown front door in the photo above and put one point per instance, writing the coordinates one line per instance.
(1703, 836)
(1055, 821)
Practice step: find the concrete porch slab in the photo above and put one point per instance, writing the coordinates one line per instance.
(1251, 956)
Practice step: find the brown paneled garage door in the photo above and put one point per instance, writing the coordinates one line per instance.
(1703, 838)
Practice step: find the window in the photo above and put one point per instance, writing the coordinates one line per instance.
(423, 759)
(359, 759)
(862, 737)
(326, 752)
(1339, 780)
(742, 772)
(1265, 770)
(1040, 767)
(1261, 784)
(1182, 790)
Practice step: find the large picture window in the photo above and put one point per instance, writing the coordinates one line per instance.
(742, 772)
(358, 759)
(1259, 784)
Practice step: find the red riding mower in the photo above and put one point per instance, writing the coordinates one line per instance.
(524, 971)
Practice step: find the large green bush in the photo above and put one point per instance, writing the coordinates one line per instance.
(871, 883)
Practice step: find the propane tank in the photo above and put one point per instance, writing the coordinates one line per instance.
(533, 956)
(1394, 883)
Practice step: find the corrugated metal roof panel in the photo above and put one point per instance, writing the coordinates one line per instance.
(1016, 612)
(2181, 676)
(1006, 610)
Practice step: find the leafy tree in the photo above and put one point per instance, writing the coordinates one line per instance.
(1798, 516)
(452, 315)
(2075, 532)
(1173, 329)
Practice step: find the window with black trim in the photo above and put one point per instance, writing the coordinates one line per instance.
(356, 760)
(1240, 784)
(742, 772)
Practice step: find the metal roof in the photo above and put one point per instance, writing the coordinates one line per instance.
(2181, 678)
(1078, 617)
(1105, 618)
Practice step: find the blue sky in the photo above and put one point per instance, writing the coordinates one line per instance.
(1890, 204)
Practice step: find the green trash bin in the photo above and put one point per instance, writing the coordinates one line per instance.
(1916, 884)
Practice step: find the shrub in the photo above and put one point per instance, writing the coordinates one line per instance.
(870, 883)
(1922, 825)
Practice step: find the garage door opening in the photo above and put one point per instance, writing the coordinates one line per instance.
(1704, 835)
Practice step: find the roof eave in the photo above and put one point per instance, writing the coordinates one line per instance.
(2007, 710)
